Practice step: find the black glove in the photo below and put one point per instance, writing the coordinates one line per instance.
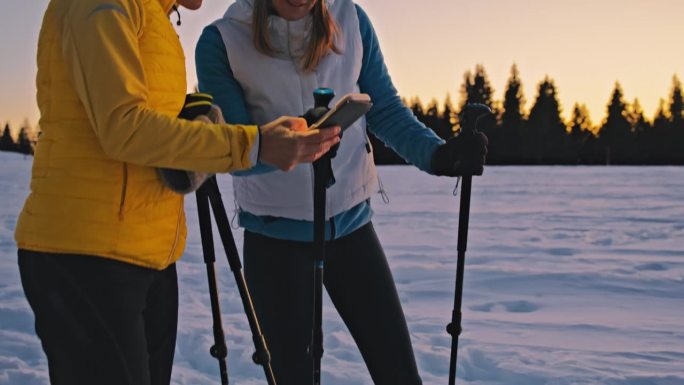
(182, 181)
(461, 155)
(196, 104)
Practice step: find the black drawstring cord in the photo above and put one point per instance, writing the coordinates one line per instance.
(175, 9)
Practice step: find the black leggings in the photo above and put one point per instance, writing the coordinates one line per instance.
(102, 321)
(280, 277)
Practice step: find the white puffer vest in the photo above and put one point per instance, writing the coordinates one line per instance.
(276, 86)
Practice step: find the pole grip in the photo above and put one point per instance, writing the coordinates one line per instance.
(473, 116)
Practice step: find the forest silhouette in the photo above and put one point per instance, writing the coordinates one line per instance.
(22, 143)
(539, 136)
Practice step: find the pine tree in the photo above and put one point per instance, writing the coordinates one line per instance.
(580, 122)
(433, 119)
(582, 139)
(512, 118)
(476, 88)
(657, 137)
(639, 127)
(545, 137)
(661, 118)
(448, 119)
(615, 133)
(417, 108)
(676, 102)
(24, 144)
(465, 88)
(432, 109)
(635, 116)
(6, 141)
(675, 148)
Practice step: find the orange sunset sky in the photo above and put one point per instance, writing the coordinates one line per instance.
(584, 45)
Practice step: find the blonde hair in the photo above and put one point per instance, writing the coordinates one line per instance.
(322, 39)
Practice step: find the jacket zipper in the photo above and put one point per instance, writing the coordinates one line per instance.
(123, 192)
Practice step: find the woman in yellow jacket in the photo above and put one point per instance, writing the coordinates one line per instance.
(99, 234)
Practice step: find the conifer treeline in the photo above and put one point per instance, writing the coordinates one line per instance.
(23, 143)
(538, 136)
(541, 136)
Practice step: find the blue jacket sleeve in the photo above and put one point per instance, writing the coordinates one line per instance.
(216, 78)
(389, 120)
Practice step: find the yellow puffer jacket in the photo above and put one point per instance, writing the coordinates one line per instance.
(111, 81)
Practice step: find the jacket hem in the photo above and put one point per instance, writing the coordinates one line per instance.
(106, 255)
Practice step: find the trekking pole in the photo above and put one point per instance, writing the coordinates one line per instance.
(210, 195)
(319, 260)
(219, 350)
(323, 178)
(471, 116)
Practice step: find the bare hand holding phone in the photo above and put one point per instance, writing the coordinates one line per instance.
(348, 110)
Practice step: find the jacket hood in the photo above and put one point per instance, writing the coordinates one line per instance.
(289, 38)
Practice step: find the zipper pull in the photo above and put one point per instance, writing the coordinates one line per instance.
(233, 224)
(383, 193)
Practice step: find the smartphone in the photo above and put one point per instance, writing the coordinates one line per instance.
(347, 111)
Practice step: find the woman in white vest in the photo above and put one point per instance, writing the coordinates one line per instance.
(263, 59)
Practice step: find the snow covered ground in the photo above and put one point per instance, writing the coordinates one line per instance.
(575, 275)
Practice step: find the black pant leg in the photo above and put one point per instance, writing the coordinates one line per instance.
(161, 324)
(279, 275)
(360, 284)
(89, 317)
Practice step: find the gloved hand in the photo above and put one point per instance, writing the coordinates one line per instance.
(197, 106)
(461, 155)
